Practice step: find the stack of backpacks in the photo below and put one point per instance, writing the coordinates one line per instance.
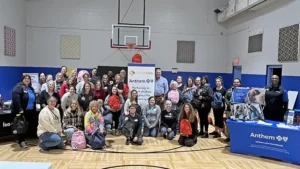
(247, 104)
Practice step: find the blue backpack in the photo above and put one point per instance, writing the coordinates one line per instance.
(97, 141)
(217, 100)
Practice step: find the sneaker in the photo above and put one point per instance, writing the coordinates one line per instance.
(43, 151)
(201, 133)
(23, 144)
(127, 142)
(214, 133)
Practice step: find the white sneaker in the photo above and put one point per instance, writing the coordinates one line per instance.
(23, 144)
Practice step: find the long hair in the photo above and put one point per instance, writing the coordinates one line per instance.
(187, 81)
(130, 97)
(191, 115)
(83, 90)
(79, 112)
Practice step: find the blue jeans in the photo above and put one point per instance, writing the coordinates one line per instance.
(51, 141)
(121, 120)
(150, 132)
(69, 133)
(170, 135)
(107, 121)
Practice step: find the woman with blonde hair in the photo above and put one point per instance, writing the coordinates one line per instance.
(187, 113)
(174, 95)
(93, 120)
(46, 94)
(67, 98)
(168, 121)
(72, 120)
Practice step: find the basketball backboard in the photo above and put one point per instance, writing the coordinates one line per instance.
(122, 35)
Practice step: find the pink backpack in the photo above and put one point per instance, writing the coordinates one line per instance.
(78, 140)
(173, 95)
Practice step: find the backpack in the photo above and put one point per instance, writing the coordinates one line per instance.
(78, 140)
(185, 127)
(217, 100)
(127, 128)
(173, 96)
(19, 125)
(239, 95)
(96, 140)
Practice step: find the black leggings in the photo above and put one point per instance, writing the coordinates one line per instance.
(203, 114)
(31, 116)
(115, 118)
(218, 115)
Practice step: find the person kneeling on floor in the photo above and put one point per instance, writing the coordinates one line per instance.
(188, 126)
(132, 128)
(49, 128)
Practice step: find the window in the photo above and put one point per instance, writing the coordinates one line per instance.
(185, 52)
(255, 43)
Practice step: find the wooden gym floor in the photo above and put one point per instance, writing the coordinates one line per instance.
(207, 154)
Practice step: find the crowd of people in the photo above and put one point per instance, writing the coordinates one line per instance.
(105, 104)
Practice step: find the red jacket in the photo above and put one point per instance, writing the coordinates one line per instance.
(63, 89)
(99, 94)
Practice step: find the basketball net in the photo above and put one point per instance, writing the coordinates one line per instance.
(131, 48)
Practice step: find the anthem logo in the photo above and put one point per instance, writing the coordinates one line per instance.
(262, 136)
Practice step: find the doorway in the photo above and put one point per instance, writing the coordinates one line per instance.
(237, 72)
(273, 70)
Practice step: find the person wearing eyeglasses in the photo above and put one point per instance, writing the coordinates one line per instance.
(49, 128)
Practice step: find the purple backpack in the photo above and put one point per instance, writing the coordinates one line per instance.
(78, 140)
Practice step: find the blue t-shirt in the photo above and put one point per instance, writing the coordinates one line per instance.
(31, 100)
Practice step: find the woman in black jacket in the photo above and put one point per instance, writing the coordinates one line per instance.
(46, 94)
(24, 104)
(187, 112)
(202, 102)
(168, 121)
(86, 97)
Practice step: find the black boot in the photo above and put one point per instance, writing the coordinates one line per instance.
(127, 142)
(205, 135)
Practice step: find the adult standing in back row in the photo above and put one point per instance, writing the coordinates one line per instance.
(161, 88)
(276, 101)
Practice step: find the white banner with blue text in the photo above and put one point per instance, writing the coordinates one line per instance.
(141, 77)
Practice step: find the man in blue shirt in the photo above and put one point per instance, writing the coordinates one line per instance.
(161, 88)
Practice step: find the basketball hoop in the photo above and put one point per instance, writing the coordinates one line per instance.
(131, 45)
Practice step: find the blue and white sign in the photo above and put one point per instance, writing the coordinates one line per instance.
(265, 140)
(141, 77)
